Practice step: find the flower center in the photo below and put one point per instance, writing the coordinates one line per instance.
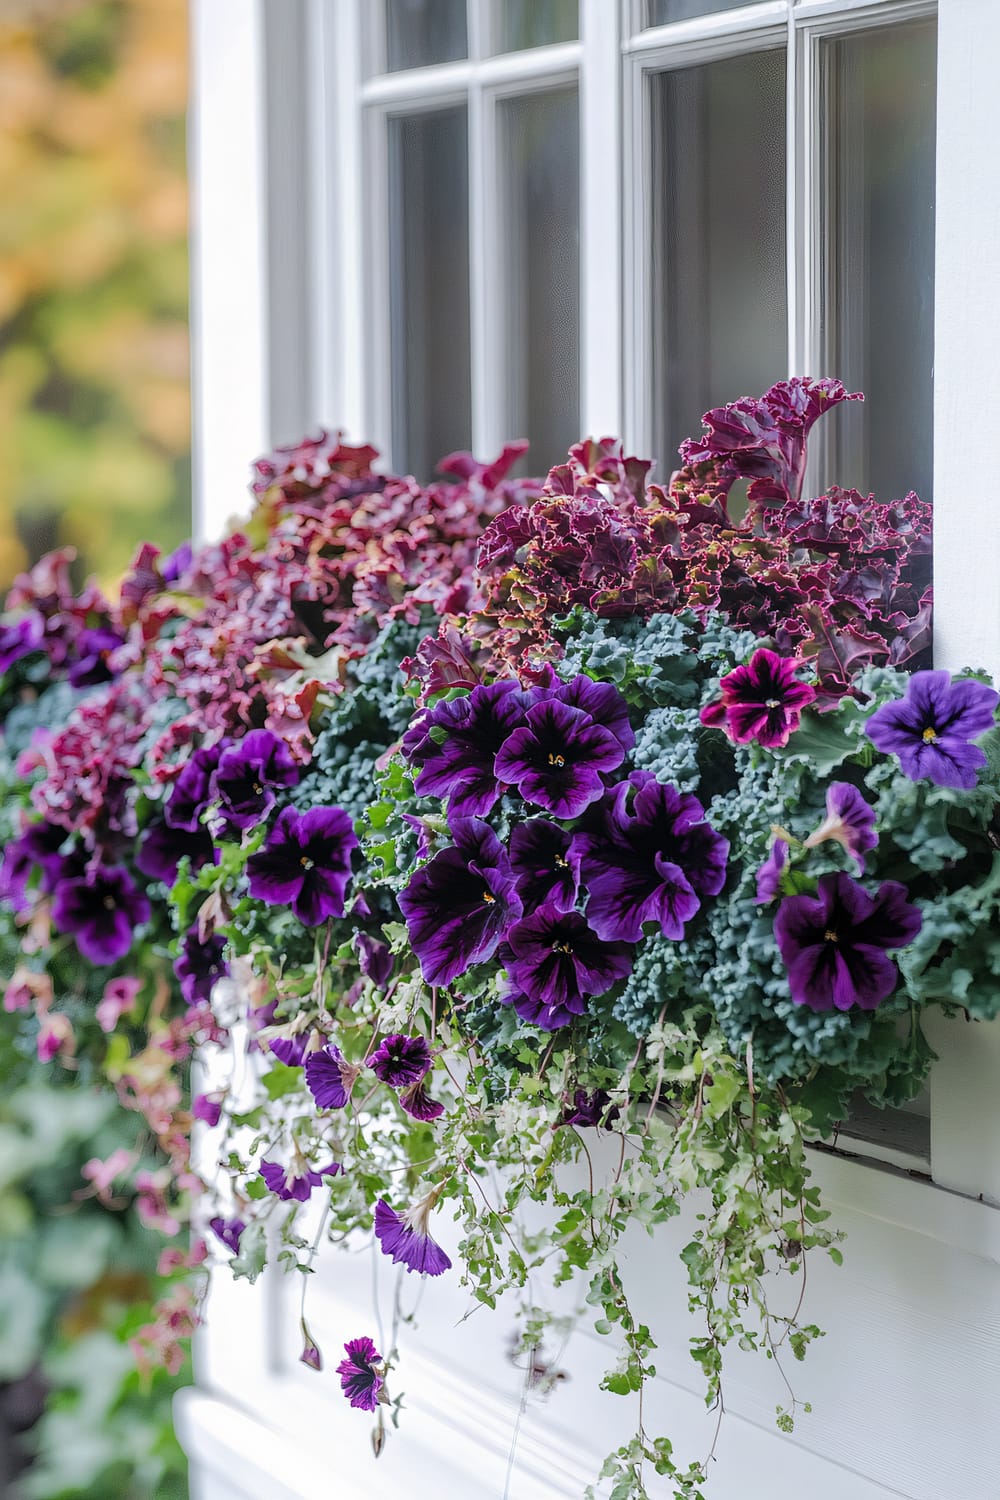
(561, 864)
(557, 760)
(772, 702)
(830, 936)
(258, 790)
(930, 733)
(306, 862)
(489, 898)
(109, 903)
(562, 948)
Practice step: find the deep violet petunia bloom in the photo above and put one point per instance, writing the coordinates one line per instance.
(546, 860)
(162, 848)
(761, 701)
(459, 905)
(769, 874)
(418, 1102)
(228, 1231)
(94, 652)
(406, 1239)
(329, 1077)
(601, 700)
(555, 960)
(849, 821)
(589, 1109)
(558, 759)
(178, 563)
(305, 863)
(20, 639)
(192, 791)
(290, 1050)
(455, 745)
(296, 1181)
(375, 959)
(207, 1108)
(401, 1060)
(651, 861)
(100, 909)
(199, 965)
(247, 773)
(834, 943)
(36, 848)
(361, 1374)
(931, 728)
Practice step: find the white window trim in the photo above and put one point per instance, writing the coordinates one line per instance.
(237, 376)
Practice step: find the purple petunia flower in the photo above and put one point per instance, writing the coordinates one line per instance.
(374, 959)
(589, 1109)
(246, 775)
(199, 964)
(95, 650)
(20, 639)
(406, 1239)
(296, 1181)
(305, 863)
(651, 862)
(849, 821)
(557, 962)
(192, 792)
(557, 759)
(932, 726)
(36, 848)
(290, 1050)
(162, 848)
(177, 564)
(769, 874)
(329, 1077)
(546, 860)
(834, 943)
(761, 701)
(459, 905)
(401, 1060)
(207, 1108)
(100, 909)
(228, 1231)
(418, 1102)
(455, 744)
(361, 1378)
(601, 700)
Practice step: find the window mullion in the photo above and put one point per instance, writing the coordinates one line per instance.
(600, 219)
(486, 281)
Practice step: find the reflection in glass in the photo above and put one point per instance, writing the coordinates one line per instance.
(878, 244)
(429, 288)
(718, 253)
(420, 32)
(660, 12)
(534, 23)
(540, 140)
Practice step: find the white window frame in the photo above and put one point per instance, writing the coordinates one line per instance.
(282, 327)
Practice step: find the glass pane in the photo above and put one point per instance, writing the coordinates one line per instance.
(718, 254)
(419, 32)
(660, 12)
(429, 287)
(541, 145)
(534, 23)
(878, 241)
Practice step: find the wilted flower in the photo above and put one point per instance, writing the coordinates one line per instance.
(118, 999)
(406, 1239)
(589, 1109)
(931, 728)
(361, 1374)
(418, 1102)
(849, 821)
(228, 1231)
(329, 1077)
(55, 1035)
(305, 863)
(834, 943)
(769, 874)
(207, 1108)
(297, 1180)
(761, 701)
(374, 959)
(246, 775)
(100, 910)
(310, 1355)
(559, 758)
(401, 1060)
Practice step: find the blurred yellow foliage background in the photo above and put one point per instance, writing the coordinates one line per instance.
(94, 409)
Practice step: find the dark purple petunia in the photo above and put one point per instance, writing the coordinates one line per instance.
(834, 943)
(455, 745)
(546, 860)
(95, 650)
(177, 564)
(228, 1231)
(207, 1108)
(849, 821)
(329, 1077)
(401, 1060)
(100, 909)
(374, 959)
(296, 1181)
(290, 1050)
(406, 1239)
(36, 848)
(931, 728)
(589, 1109)
(601, 700)
(652, 861)
(20, 639)
(769, 874)
(162, 848)
(246, 775)
(418, 1102)
(459, 905)
(761, 701)
(192, 792)
(557, 962)
(198, 966)
(558, 759)
(305, 863)
(361, 1374)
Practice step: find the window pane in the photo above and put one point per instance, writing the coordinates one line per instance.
(660, 12)
(718, 253)
(429, 291)
(540, 137)
(419, 32)
(534, 23)
(878, 239)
